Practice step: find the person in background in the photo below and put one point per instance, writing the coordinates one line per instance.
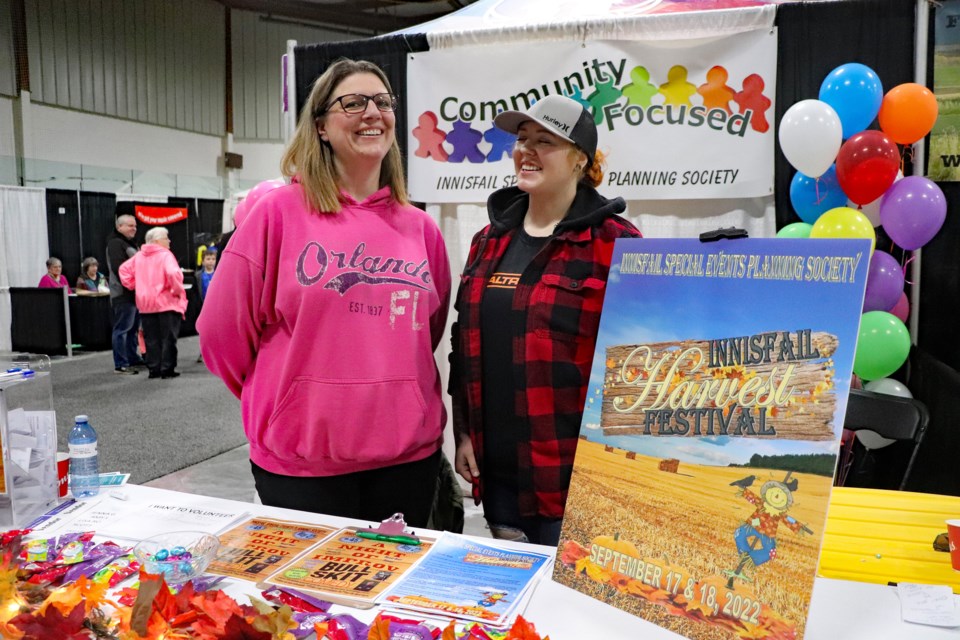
(158, 281)
(90, 279)
(242, 210)
(126, 320)
(207, 266)
(331, 298)
(54, 278)
(528, 312)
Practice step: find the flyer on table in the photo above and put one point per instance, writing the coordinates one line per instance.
(467, 579)
(347, 566)
(711, 431)
(260, 546)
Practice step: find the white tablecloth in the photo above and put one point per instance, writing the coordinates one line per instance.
(840, 610)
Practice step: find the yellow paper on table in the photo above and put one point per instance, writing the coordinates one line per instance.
(881, 536)
(256, 548)
(346, 569)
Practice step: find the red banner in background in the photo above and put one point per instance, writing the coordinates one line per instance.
(159, 215)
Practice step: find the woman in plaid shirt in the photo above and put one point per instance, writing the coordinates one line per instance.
(529, 307)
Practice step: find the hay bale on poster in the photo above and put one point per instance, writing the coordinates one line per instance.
(670, 465)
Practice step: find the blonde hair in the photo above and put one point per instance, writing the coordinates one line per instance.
(311, 160)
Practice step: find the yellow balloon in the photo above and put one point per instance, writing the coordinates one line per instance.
(844, 222)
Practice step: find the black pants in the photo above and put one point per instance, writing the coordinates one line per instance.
(368, 496)
(160, 332)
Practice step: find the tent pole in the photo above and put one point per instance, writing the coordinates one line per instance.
(919, 155)
(289, 92)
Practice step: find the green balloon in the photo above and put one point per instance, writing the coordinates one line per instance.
(883, 345)
(795, 230)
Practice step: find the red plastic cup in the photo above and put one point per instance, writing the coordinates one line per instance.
(63, 473)
(953, 532)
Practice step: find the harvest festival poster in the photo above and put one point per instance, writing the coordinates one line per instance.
(711, 431)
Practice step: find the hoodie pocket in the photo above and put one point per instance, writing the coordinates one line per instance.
(566, 308)
(345, 421)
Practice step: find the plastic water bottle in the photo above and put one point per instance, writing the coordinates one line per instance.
(84, 461)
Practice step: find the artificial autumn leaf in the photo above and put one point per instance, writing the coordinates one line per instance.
(217, 606)
(449, 633)
(52, 624)
(276, 622)
(237, 628)
(523, 630)
(150, 586)
(379, 629)
(321, 628)
(91, 594)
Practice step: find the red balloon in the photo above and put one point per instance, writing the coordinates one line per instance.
(867, 165)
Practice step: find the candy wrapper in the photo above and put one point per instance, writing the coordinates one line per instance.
(296, 600)
(100, 557)
(346, 627)
(306, 622)
(205, 583)
(117, 571)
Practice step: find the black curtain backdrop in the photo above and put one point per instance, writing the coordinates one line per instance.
(63, 232)
(388, 52)
(179, 231)
(817, 37)
(97, 222)
(182, 241)
(209, 223)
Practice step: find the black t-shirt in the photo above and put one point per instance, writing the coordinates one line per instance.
(500, 422)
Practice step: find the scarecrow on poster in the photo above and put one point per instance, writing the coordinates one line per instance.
(756, 538)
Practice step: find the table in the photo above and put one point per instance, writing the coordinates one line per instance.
(881, 536)
(91, 321)
(839, 609)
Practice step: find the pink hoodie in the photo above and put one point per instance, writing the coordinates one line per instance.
(156, 277)
(324, 325)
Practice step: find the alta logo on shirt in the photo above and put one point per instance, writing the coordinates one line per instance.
(358, 269)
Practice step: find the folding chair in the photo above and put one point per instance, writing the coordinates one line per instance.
(892, 417)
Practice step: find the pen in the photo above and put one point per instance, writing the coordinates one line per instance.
(385, 538)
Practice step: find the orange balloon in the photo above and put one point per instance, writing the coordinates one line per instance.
(908, 112)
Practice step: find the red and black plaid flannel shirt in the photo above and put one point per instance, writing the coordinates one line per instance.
(555, 316)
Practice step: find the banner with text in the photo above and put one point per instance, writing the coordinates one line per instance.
(678, 119)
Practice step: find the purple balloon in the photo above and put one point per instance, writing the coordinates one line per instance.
(912, 211)
(884, 282)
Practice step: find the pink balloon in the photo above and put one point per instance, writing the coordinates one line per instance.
(902, 308)
(246, 205)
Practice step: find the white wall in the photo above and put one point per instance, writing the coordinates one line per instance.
(261, 161)
(7, 147)
(84, 138)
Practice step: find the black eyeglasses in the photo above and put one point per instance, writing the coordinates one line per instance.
(357, 102)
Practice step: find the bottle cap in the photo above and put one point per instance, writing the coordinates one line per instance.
(81, 419)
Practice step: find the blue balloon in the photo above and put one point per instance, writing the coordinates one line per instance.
(855, 92)
(811, 197)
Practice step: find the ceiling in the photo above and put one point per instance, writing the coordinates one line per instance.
(370, 16)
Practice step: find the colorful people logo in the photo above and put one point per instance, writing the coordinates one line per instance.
(458, 139)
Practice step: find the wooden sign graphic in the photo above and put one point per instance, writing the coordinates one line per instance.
(776, 384)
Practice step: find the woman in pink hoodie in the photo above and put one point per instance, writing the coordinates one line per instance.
(327, 306)
(155, 276)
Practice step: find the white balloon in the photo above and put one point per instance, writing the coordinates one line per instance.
(872, 209)
(810, 136)
(891, 387)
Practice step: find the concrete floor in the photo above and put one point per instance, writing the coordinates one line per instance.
(228, 476)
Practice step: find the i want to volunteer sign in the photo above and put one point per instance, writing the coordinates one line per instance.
(677, 119)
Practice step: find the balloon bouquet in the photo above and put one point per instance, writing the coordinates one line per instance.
(849, 182)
